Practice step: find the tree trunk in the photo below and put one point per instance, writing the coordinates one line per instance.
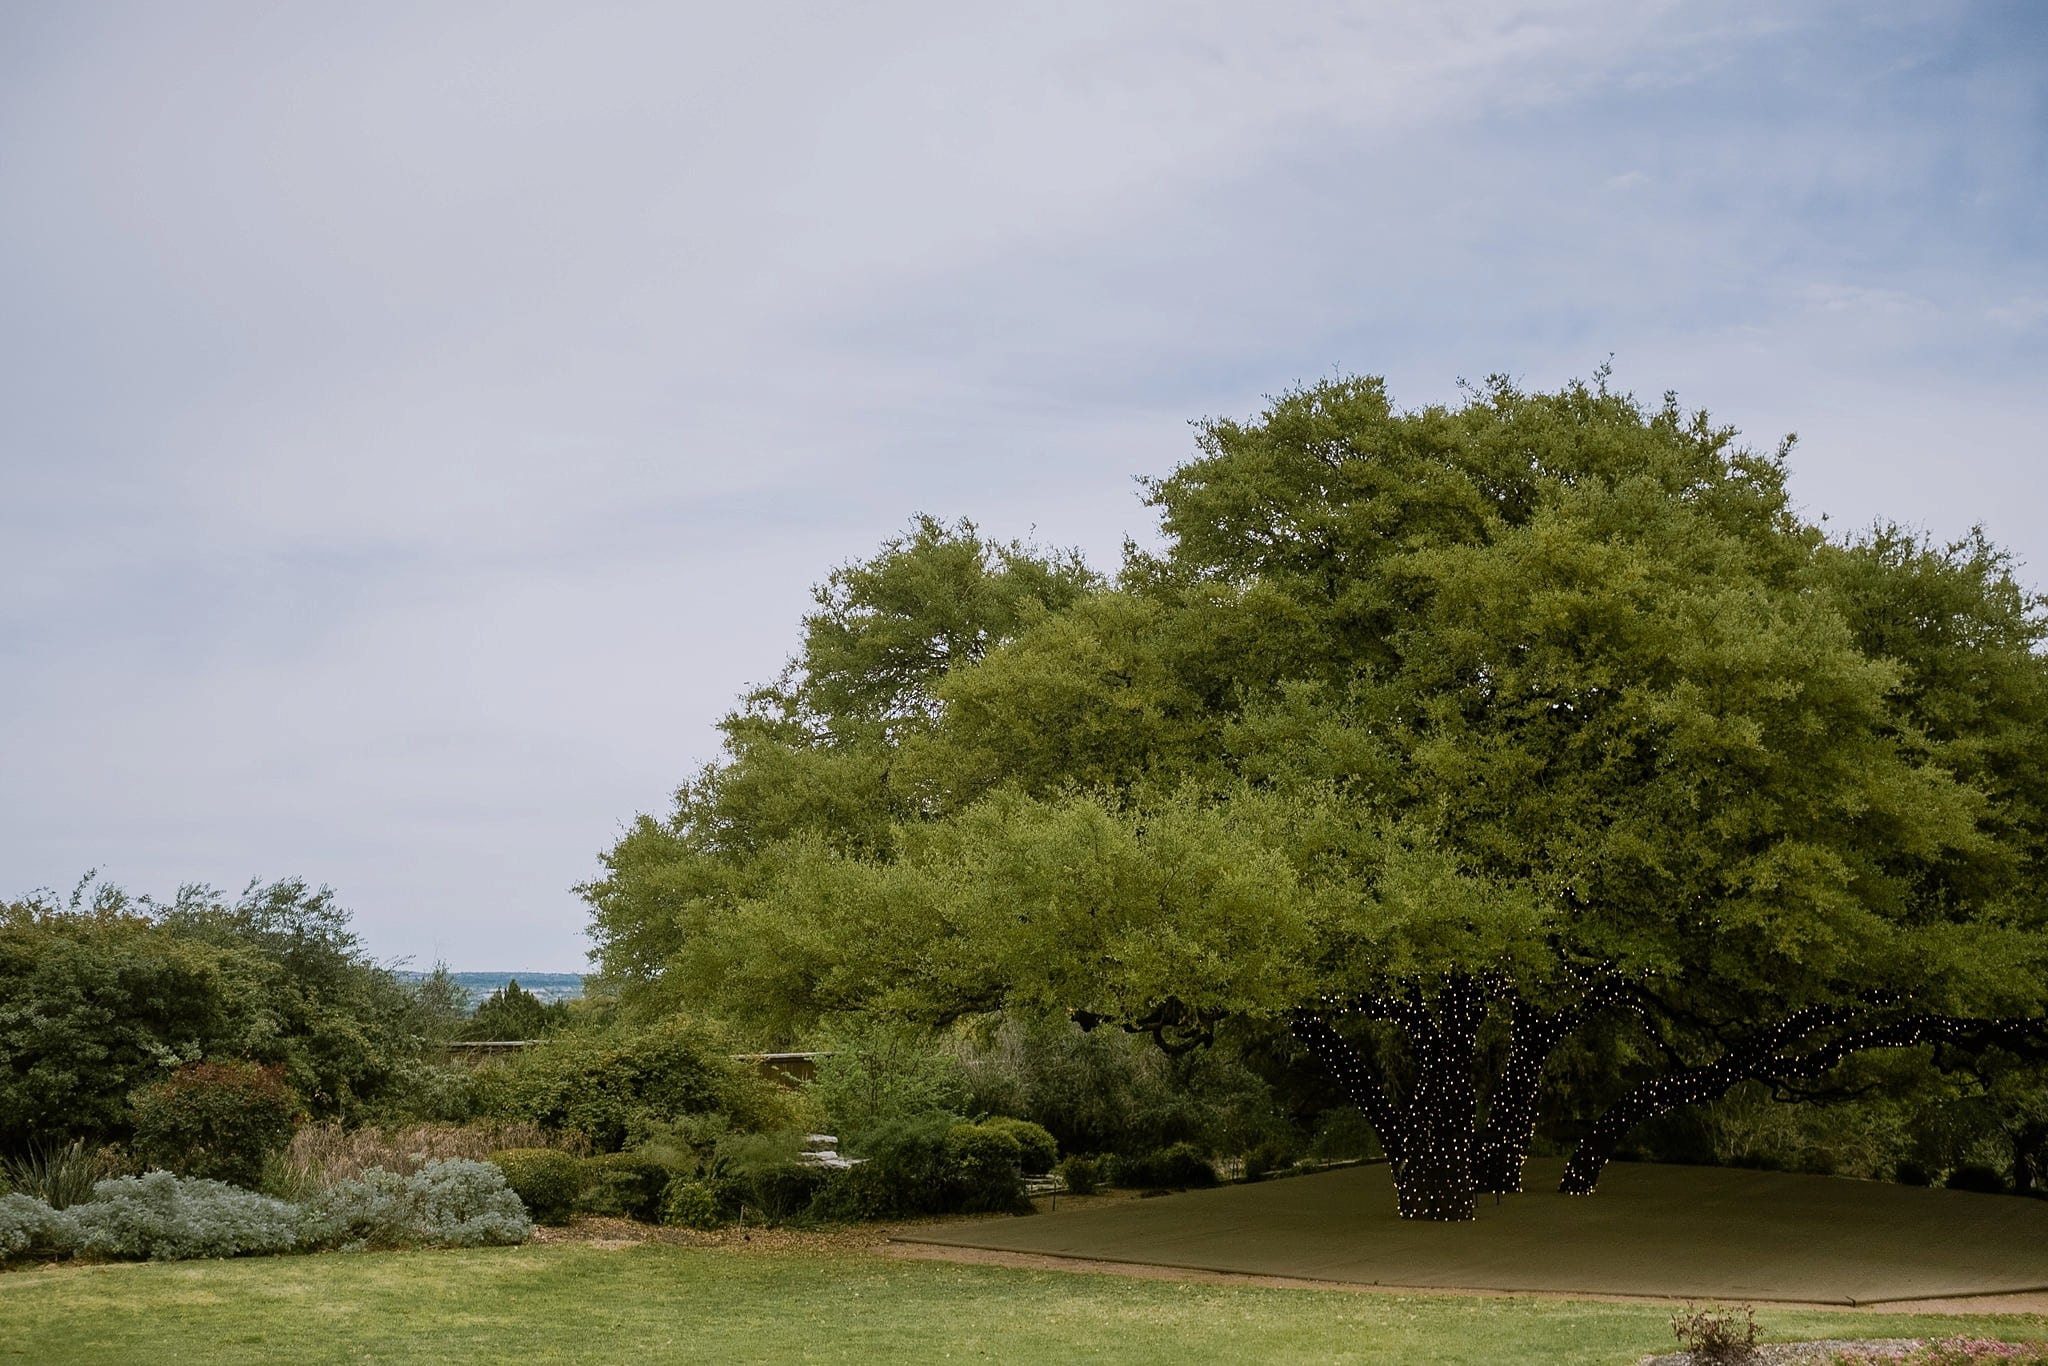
(1429, 1139)
(1786, 1051)
(1511, 1103)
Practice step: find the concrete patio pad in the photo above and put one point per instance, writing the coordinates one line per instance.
(1684, 1232)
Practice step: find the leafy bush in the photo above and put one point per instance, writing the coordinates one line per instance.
(1177, 1167)
(1911, 1173)
(856, 1194)
(783, 1192)
(220, 1121)
(59, 1176)
(170, 1218)
(691, 1204)
(987, 1168)
(904, 1170)
(878, 1073)
(546, 1180)
(1266, 1159)
(30, 1228)
(618, 1088)
(1342, 1134)
(1038, 1149)
(452, 1202)
(1977, 1177)
(1104, 1090)
(627, 1185)
(1083, 1175)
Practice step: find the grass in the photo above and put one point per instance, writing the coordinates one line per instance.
(652, 1303)
(1705, 1232)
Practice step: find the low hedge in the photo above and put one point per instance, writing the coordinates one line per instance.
(546, 1180)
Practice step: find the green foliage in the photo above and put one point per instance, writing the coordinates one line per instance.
(450, 1202)
(1553, 692)
(513, 1012)
(1270, 1158)
(1343, 1134)
(905, 1169)
(1106, 1090)
(627, 1185)
(986, 1166)
(1083, 1175)
(1181, 1166)
(1037, 1150)
(547, 1181)
(876, 1072)
(60, 1176)
(617, 1087)
(168, 1218)
(107, 993)
(30, 1228)
(691, 1204)
(1975, 1177)
(217, 1120)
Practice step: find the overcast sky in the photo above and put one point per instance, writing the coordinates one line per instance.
(419, 423)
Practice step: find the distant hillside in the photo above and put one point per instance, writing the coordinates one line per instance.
(549, 986)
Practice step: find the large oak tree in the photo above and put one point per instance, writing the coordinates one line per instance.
(1430, 735)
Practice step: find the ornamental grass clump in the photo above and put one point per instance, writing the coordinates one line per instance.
(452, 1202)
(59, 1176)
(164, 1218)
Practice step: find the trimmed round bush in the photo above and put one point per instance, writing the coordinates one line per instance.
(171, 1218)
(452, 1202)
(546, 1180)
(1976, 1177)
(691, 1204)
(216, 1120)
(1083, 1175)
(1037, 1149)
(987, 1167)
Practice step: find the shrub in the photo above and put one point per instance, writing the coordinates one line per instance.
(1038, 1149)
(219, 1121)
(1911, 1173)
(1177, 1167)
(546, 1180)
(1265, 1159)
(626, 1185)
(321, 1154)
(1083, 1175)
(452, 1202)
(618, 1088)
(690, 1204)
(1104, 1090)
(879, 1073)
(782, 1192)
(856, 1194)
(60, 1176)
(171, 1218)
(905, 1168)
(1715, 1336)
(1977, 1177)
(30, 1228)
(987, 1170)
(1342, 1134)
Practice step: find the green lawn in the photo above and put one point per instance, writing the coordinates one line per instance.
(656, 1303)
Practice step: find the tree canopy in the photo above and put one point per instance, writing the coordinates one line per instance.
(1421, 729)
